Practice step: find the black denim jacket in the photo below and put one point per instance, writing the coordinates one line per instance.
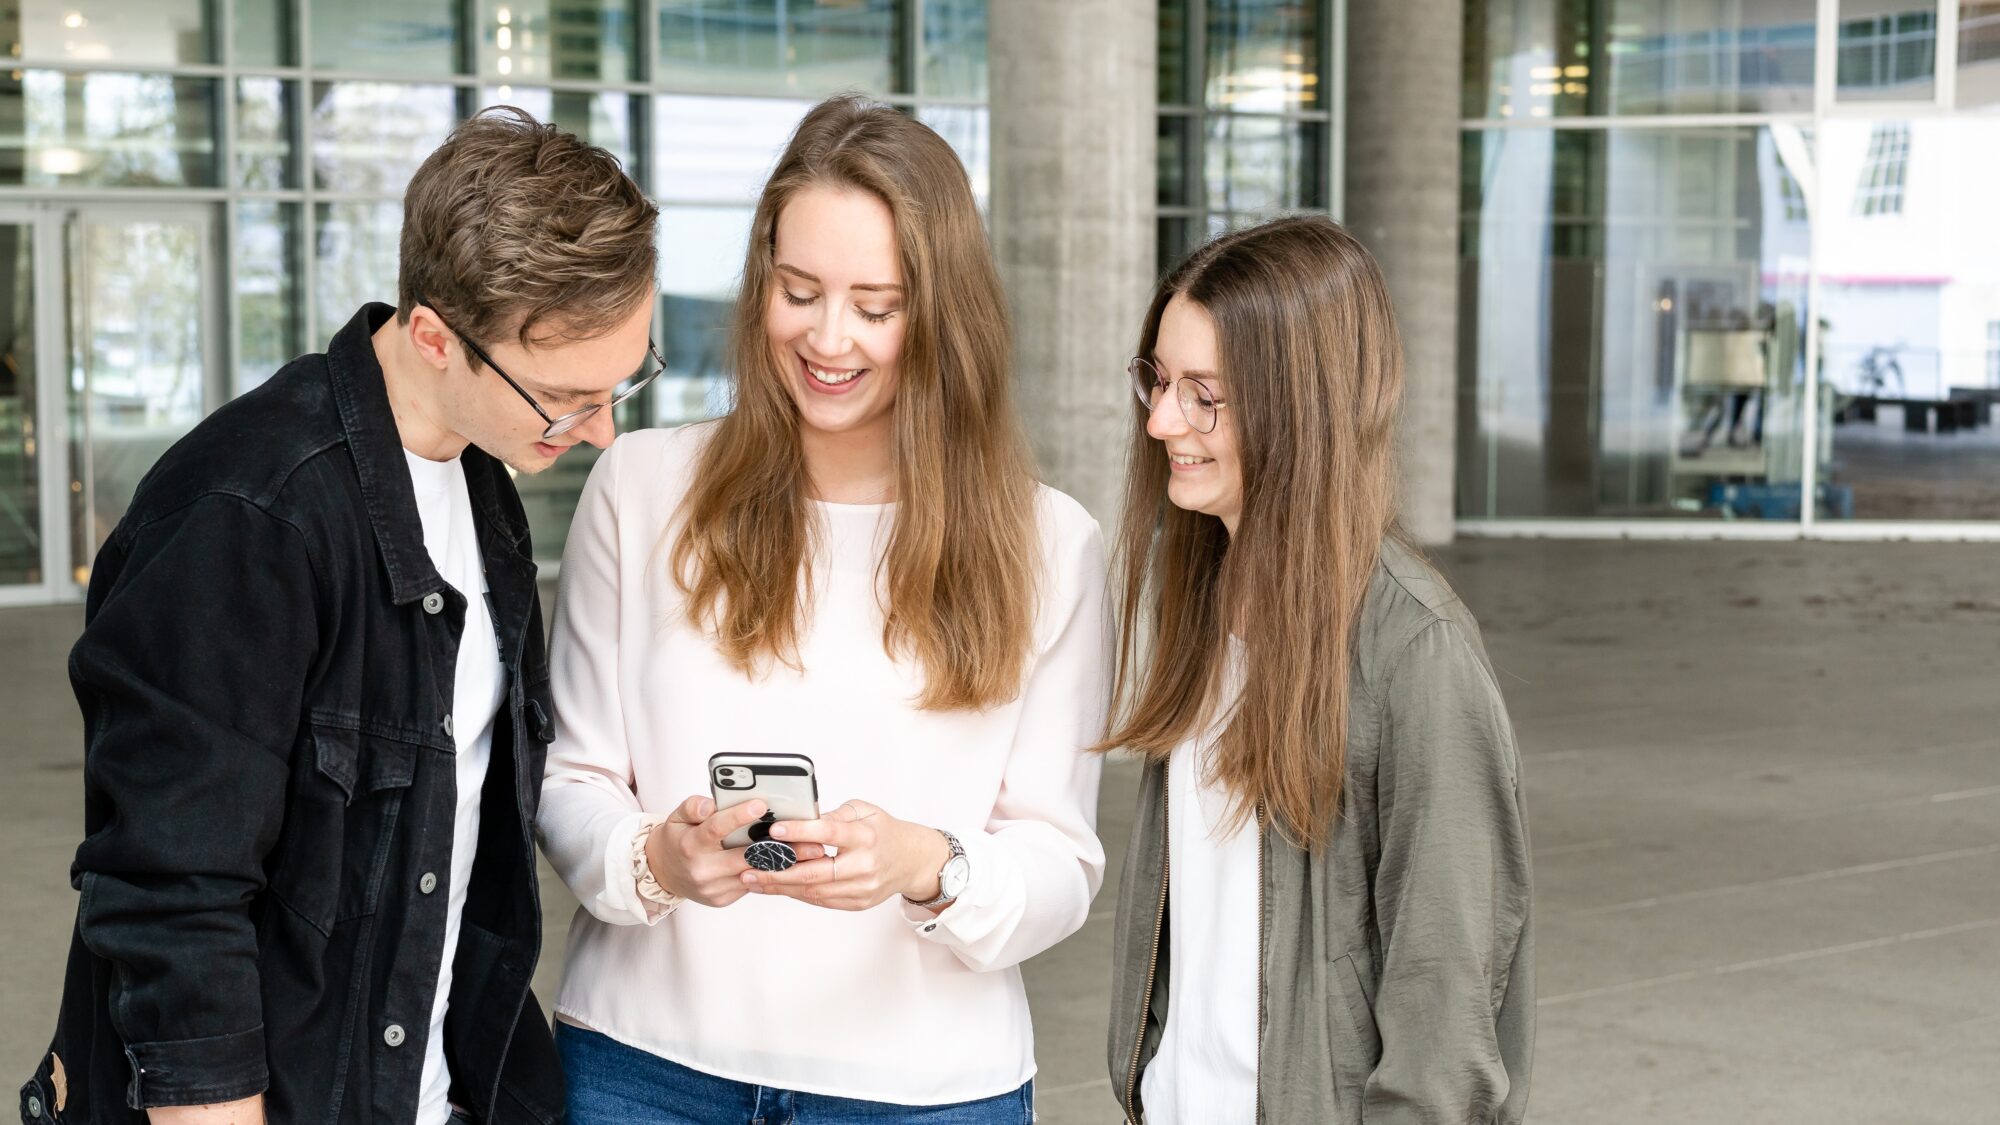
(265, 674)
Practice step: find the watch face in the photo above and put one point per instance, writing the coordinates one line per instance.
(952, 880)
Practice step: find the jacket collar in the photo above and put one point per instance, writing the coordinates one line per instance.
(377, 449)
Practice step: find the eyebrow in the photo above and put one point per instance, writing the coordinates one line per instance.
(873, 287)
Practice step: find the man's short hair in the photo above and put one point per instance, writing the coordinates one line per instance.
(514, 227)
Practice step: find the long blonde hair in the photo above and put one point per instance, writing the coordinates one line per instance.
(1312, 367)
(960, 565)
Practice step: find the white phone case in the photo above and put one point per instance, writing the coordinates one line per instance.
(785, 782)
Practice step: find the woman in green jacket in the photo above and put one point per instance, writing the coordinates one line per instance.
(1325, 908)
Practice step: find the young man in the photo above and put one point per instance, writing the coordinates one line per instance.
(315, 693)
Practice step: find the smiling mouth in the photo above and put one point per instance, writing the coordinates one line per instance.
(1188, 460)
(831, 379)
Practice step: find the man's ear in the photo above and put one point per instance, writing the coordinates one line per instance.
(431, 338)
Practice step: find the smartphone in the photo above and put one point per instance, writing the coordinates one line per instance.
(785, 782)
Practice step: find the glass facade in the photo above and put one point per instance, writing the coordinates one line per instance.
(1246, 115)
(1719, 258)
(258, 150)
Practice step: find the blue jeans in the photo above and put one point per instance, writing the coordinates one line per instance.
(613, 1084)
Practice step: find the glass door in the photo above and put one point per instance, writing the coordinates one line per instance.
(143, 364)
(22, 523)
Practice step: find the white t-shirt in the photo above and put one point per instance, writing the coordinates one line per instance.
(1206, 1070)
(453, 541)
(889, 1004)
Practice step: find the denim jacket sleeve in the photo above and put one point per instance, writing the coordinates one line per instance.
(1452, 889)
(186, 764)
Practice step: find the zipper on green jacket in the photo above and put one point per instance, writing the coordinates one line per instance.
(1152, 961)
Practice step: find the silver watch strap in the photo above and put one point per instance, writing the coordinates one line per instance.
(957, 852)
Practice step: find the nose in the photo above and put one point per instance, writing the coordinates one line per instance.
(599, 429)
(829, 335)
(1166, 420)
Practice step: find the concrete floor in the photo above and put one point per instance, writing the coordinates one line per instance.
(1765, 791)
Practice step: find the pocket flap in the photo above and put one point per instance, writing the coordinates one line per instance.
(387, 763)
(391, 764)
(338, 755)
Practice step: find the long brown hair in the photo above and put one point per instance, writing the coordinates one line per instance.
(960, 566)
(1312, 367)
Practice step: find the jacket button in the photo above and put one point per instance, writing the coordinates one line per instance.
(433, 603)
(34, 1107)
(393, 1035)
(428, 883)
(447, 726)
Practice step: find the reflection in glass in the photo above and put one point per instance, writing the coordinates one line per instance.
(1175, 176)
(370, 136)
(1265, 163)
(264, 128)
(127, 32)
(107, 129)
(801, 47)
(1633, 306)
(269, 314)
(1978, 54)
(955, 48)
(418, 38)
(718, 150)
(1263, 55)
(20, 466)
(137, 364)
(266, 33)
(1887, 50)
(1909, 324)
(1542, 58)
(1174, 60)
(604, 120)
(355, 245)
(540, 40)
(969, 133)
(701, 262)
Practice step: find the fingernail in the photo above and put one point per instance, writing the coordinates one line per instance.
(779, 831)
(749, 878)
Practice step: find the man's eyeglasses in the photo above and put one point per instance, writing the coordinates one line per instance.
(562, 424)
(1198, 402)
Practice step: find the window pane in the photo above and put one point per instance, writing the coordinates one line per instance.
(804, 47)
(107, 130)
(20, 463)
(1263, 55)
(1979, 54)
(539, 40)
(1175, 43)
(356, 248)
(127, 32)
(266, 33)
(1265, 163)
(1887, 51)
(967, 130)
(1176, 175)
(370, 136)
(264, 126)
(270, 318)
(701, 261)
(955, 48)
(1653, 56)
(1634, 309)
(418, 38)
(604, 120)
(1910, 291)
(719, 150)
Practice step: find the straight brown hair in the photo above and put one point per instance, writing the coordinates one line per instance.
(1312, 369)
(960, 567)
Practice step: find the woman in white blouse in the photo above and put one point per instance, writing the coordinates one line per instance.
(855, 564)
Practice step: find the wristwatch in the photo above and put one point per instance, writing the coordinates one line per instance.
(952, 877)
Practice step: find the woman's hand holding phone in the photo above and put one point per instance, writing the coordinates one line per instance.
(687, 857)
(877, 857)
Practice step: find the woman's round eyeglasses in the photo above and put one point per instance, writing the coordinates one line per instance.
(1197, 400)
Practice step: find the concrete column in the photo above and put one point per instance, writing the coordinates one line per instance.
(1401, 178)
(1074, 100)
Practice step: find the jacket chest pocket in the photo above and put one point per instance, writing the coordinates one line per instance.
(340, 829)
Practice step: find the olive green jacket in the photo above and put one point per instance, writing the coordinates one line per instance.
(1397, 961)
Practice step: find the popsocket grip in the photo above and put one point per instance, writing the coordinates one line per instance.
(770, 855)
